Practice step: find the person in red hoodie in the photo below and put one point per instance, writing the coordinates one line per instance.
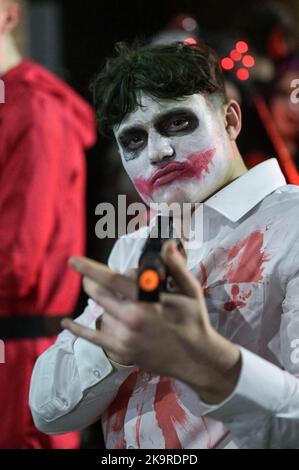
(44, 131)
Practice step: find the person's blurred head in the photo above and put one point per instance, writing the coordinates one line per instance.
(9, 16)
(270, 28)
(166, 104)
(285, 113)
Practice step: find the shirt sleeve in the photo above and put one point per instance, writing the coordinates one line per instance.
(263, 410)
(73, 382)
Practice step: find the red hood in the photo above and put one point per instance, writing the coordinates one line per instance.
(78, 111)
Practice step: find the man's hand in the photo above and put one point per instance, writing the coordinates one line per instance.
(172, 337)
(103, 323)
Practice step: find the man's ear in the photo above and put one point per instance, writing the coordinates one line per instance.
(12, 15)
(233, 119)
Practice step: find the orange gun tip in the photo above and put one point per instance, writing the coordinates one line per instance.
(149, 280)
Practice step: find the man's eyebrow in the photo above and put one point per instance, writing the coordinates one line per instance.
(171, 113)
(168, 114)
(130, 130)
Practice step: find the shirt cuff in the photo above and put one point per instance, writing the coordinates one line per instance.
(121, 367)
(260, 388)
(94, 366)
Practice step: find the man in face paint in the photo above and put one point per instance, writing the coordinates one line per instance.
(179, 148)
(155, 369)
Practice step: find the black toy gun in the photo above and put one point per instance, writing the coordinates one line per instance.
(153, 277)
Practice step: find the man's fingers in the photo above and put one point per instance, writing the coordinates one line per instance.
(132, 273)
(173, 307)
(128, 316)
(176, 264)
(175, 304)
(104, 340)
(104, 276)
(110, 324)
(112, 306)
(94, 290)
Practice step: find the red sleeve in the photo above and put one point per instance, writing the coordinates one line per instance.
(28, 196)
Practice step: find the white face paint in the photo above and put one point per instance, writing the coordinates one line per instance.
(175, 150)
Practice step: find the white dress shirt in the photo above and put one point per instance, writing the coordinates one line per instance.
(248, 265)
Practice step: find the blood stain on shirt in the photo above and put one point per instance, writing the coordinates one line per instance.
(249, 256)
(238, 301)
(118, 408)
(168, 413)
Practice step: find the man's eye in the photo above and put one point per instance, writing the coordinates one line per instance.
(134, 142)
(178, 125)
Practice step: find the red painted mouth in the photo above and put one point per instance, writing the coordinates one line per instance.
(195, 165)
(167, 174)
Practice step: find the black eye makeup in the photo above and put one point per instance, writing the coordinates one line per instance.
(177, 122)
(132, 141)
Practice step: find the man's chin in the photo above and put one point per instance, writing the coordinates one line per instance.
(170, 196)
(169, 200)
(179, 194)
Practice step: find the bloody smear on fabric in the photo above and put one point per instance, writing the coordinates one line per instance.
(118, 408)
(168, 413)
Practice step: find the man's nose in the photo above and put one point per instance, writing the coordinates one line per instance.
(159, 148)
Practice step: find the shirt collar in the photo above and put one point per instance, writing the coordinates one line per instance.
(245, 192)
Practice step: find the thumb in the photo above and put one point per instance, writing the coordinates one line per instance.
(176, 264)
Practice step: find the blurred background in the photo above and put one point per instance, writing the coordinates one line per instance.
(257, 44)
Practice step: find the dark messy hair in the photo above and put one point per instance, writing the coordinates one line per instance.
(161, 71)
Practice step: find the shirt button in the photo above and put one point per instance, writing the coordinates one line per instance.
(145, 377)
(65, 402)
(97, 374)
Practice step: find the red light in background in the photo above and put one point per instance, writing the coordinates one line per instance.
(227, 63)
(236, 55)
(190, 41)
(242, 74)
(248, 61)
(242, 47)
